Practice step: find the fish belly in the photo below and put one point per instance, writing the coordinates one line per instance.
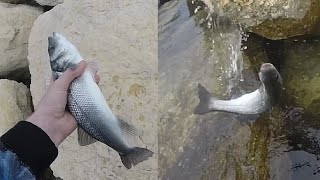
(92, 113)
(252, 103)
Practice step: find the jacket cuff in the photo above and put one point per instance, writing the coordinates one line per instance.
(32, 145)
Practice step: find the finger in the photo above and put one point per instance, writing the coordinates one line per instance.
(94, 66)
(51, 80)
(97, 78)
(69, 75)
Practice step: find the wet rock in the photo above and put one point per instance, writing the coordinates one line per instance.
(301, 71)
(215, 145)
(191, 53)
(15, 22)
(16, 104)
(273, 19)
(123, 39)
(49, 2)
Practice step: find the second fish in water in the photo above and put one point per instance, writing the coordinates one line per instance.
(255, 102)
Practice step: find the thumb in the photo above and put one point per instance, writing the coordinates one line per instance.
(64, 81)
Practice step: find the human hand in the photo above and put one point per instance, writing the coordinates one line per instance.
(50, 114)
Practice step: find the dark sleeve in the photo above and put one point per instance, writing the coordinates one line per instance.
(32, 145)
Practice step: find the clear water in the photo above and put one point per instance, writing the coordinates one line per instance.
(197, 45)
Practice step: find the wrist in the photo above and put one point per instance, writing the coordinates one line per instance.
(44, 125)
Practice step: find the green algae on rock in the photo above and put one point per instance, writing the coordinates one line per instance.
(276, 19)
(301, 71)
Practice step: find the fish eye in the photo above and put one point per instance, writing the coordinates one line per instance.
(51, 47)
(276, 76)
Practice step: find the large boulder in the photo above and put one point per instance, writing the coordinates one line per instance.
(15, 1)
(34, 2)
(15, 105)
(273, 19)
(16, 22)
(123, 39)
(301, 71)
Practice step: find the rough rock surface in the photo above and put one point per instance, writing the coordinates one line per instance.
(16, 104)
(16, 22)
(15, 1)
(301, 69)
(215, 145)
(273, 19)
(188, 142)
(123, 39)
(49, 2)
(34, 2)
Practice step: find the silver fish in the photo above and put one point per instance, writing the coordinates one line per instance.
(255, 102)
(89, 107)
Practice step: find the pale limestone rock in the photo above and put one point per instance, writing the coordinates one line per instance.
(122, 37)
(49, 2)
(15, 104)
(15, 1)
(34, 2)
(16, 22)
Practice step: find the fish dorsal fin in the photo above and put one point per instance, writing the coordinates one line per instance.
(84, 138)
(126, 128)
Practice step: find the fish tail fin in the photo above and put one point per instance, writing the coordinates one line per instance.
(135, 156)
(204, 105)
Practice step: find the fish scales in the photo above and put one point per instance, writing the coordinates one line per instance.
(86, 105)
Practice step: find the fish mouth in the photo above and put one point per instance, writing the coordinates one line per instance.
(260, 76)
(54, 35)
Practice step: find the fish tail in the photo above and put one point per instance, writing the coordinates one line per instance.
(135, 156)
(204, 105)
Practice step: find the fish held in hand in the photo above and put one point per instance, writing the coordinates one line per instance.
(256, 102)
(87, 104)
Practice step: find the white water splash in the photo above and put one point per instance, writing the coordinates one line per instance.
(226, 38)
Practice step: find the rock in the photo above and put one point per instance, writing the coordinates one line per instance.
(215, 145)
(26, 2)
(273, 19)
(15, 1)
(16, 104)
(123, 39)
(189, 143)
(301, 71)
(16, 22)
(49, 2)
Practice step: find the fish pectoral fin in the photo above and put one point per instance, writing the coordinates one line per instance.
(84, 138)
(126, 128)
